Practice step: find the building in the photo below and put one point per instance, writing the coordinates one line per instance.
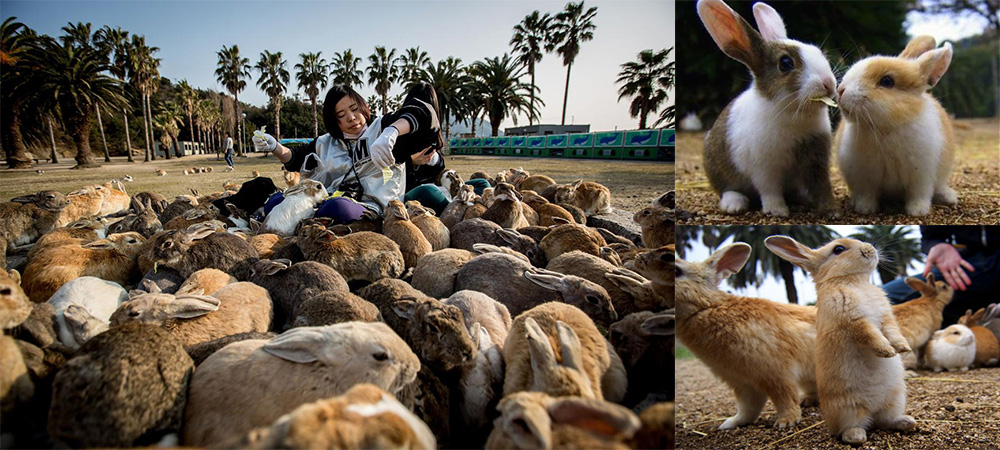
(542, 130)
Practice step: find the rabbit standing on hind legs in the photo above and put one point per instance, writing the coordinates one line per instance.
(858, 369)
(773, 139)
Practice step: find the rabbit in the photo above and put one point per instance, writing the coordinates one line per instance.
(535, 183)
(592, 198)
(953, 348)
(546, 211)
(534, 420)
(291, 178)
(433, 228)
(449, 183)
(29, 217)
(506, 209)
(889, 118)
(112, 259)
(772, 139)
(659, 267)
(760, 348)
(144, 221)
(455, 211)
(179, 206)
(569, 237)
(357, 256)
(163, 173)
(991, 321)
(987, 347)
(157, 201)
(858, 369)
(299, 203)
(657, 223)
(203, 246)
(919, 318)
(411, 240)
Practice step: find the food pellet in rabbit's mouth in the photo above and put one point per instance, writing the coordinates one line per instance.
(829, 101)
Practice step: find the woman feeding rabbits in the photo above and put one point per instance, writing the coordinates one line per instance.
(358, 159)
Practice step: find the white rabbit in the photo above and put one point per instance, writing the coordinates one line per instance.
(299, 203)
(774, 138)
(953, 348)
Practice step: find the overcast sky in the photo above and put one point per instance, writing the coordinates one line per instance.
(189, 33)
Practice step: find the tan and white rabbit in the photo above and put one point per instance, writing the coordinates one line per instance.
(987, 346)
(760, 348)
(953, 348)
(773, 138)
(919, 318)
(896, 140)
(858, 370)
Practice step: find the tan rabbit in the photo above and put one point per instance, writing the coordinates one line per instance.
(760, 348)
(291, 178)
(411, 240)
(546, 211)
(592, 198)
(506, 209)
(921, 317)
(987, 347)
(433, 229)
(858, 370)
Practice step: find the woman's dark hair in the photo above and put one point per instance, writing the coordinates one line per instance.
(337, 92)
(423, 90)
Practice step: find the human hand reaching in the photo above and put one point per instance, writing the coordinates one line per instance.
(951, 265)
(423, 157)
(267, 143)
(381, 149)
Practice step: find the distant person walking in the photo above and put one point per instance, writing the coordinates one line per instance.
(228, 145)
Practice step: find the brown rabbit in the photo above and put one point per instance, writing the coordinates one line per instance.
(506, 209)
(592, 198)
(455, 211)
(858, 372)
(26, 218)
(433, 229)
(657, 224)
(411, 240)
(987, 347)
(536, 183)
(760, 348)
(546, 211)
(919, 318)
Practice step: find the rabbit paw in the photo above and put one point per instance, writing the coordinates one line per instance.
(369, 214)
(885, 351)
(945, 196)
(855, 436)
(901, 347)
(918, 207)
(777, 209)
(787, 422)
(865, 205)
(733, 202)
(903, 423)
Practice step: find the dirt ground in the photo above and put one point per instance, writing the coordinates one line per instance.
(633, 184)
(976, 177)
(954, 411)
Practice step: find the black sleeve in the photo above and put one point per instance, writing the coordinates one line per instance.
(934, 235)
(299, 156)
(425, 130)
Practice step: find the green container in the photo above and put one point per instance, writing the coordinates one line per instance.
(608, 153)
(558, 152)
(667, 136)
(503, 151)
(581, 140)
(453, 143)
(579, 153)
(490, 142)
(609, 139)
(541, 152)
(464, 142)
(556, 141)
(648, 153)
(518, 142)
(641, 138)
(476, 142)
(503, 141)
(475, 151)
(518, 152)
(489, 151)
(536, 142)
(665, 154)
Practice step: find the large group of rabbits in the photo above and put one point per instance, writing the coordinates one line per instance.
(848, 353)
(505, 322)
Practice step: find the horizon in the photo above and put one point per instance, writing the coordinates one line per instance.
(189, 34)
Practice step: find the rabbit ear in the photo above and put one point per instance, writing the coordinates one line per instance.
(405, 307)
(560, 220)
(543, 358)
(596, 416)
(150, 286)
(790, 250)
(15, 275)
(728, 260)
(926, 288)
(734, 36)
(191, 306)
(102, 244)
(625, 283)
(977, 317)
(918, 46)
(572, 354)
(508, 235)
(934, 64)
(659, 325)
(529, 427)
(772, 28)
(666, 200)
(26, 198)
(299, 345)
(546, 281)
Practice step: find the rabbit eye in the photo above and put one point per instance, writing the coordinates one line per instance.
(839, 249)
(592, 300)
(133, 313)
(5, 291)
(530, 254)
(785, 64)
(167, 244)
(678, 272)
(887, 81)
(432, 328)
(50, 196)
(380, 356)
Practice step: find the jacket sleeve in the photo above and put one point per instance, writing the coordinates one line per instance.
(425, 128)
(933, 235)
(299, 156)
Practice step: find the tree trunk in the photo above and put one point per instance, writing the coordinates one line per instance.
(169, 148)
(385, 103)
(17, 153)
(277, 118)
(531, 107)
(642, 117)
(81, 136)
(315, 119)
(566, 92)
(128, 139)
(100, 124)
(239, 124)
(145, 127)
(52, 140)
(191, 124)
(788, 274)
(149, 117)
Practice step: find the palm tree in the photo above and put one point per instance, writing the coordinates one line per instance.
(496, 82)
(233, 70)
(167, 123)
(187, 96)
(769, 263)
(117, 40)
(382, 73)
(311, 74)
(68, 81)
(450, 81)
(640, 80)
(15, 40)
(896, 251)
(410, 63)
(273, 80)
(572, 26)
(531, 37)
(344, 69)
(145, 77)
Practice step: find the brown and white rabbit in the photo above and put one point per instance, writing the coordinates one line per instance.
(858, 370)
(592, 198)
(773, 138)
(953, 348)
(987, 347)
(889, 119)
(921, 317)
(760, 348)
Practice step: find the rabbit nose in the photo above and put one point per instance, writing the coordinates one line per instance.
(840, 91)
(829, 84)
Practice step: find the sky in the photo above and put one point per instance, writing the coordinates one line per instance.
(774, 288)
(189, 33)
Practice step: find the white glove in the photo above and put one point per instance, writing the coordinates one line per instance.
(268, 144)
(381, 149)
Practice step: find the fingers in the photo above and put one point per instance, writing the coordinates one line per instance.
(966, 264)
(950, 279)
